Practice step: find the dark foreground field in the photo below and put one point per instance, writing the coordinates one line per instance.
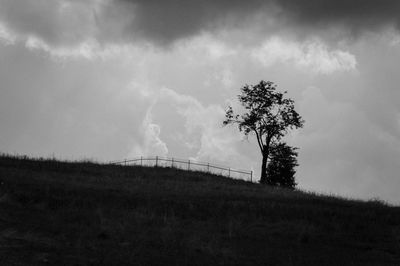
(54, 213)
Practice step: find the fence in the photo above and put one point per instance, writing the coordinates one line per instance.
(190, 165)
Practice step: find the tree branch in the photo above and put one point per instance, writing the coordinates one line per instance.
(260, 135)
(259, 141)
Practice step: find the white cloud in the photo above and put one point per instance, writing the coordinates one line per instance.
(215, 141)
(206, 47)
(391, 37)
(191, 126)
(226, 77)
(88, 49)
(153, 145)
(311, 56)
(6, 36)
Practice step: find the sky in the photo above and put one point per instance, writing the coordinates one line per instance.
(115, 79)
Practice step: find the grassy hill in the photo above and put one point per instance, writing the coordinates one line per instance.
(59, 213)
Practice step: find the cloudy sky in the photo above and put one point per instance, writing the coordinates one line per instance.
(110, 79)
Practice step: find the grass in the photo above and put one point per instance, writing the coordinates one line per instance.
(83, 213)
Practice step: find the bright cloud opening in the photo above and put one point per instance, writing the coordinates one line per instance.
(311, 56)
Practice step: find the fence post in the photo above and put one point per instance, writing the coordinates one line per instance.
(172, 162)
(141, 160)
(188, 164)
(229, 172)
(208, 167)
(251, 176)
(125, 162)
(156, 161)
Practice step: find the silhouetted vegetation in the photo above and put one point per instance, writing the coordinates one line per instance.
(280, 170)
(72, 213)
(268, 115)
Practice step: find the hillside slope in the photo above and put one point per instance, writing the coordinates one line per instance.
(57, 213)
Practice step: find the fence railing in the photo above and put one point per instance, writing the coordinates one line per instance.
(190, 165)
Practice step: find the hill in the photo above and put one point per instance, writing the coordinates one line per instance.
(83, 213)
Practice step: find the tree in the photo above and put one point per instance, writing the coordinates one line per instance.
(280, 169)
(268, 115)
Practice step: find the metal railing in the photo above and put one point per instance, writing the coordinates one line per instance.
(189, 165)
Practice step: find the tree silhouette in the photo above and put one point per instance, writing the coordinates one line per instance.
(280, 169)
(268, 115)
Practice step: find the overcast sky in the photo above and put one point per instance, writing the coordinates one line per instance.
(110, 79)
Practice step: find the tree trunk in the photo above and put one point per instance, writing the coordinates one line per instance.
(265, 154)
(263, 178)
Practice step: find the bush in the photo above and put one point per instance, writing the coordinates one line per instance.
(280, 169)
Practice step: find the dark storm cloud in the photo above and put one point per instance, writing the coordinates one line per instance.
(354, 15)
(67, 22)
(166, 21)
